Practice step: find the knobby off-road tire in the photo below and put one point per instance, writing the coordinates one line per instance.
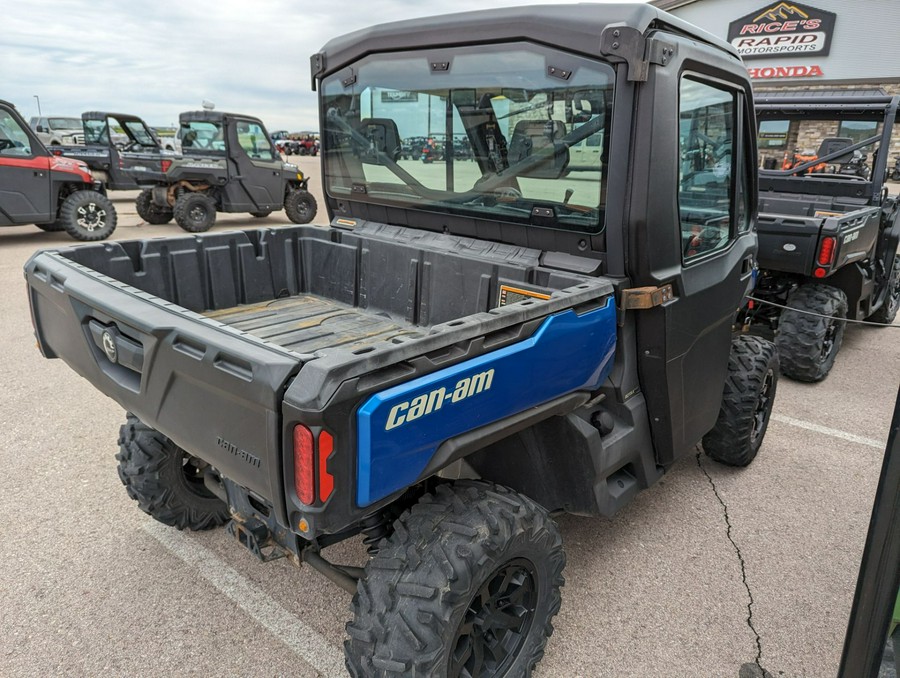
(300, 206)
(195, 212)
(151, 213)
(467, 585)
(746, 402)
(165, 481)
(888, 311)
(807, 344)
(88, 216)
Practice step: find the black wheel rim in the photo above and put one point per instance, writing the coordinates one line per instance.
(192, 470)
(831, 333)
(496, 623)
(763, 407)
(198, 214)
(91, 217)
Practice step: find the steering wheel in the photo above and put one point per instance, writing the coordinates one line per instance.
(507, 193)
(6, 143)
(706, 240)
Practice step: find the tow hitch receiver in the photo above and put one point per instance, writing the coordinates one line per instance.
(255, 536)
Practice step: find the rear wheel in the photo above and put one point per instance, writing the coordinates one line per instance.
(303, 150)
(300, 206)
(88, 216)
(746, 402)
(467, 585)
(888, 311)
(195, 212)
(165, 481)
(149, 212)
(808, 344)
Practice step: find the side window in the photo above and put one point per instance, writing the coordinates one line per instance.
(706, 177)
(254, 141)
(13, 139)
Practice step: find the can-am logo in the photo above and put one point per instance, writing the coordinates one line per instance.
(426, 403)
(771, 72)
(783, 28)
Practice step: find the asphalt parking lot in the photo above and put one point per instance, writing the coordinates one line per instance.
(93, 586)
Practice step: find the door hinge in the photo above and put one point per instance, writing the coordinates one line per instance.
(639, 51)
(646, 297)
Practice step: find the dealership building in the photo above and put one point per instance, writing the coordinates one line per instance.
(821, 44)
(818, 45)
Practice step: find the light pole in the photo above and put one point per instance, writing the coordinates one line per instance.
(40, 115)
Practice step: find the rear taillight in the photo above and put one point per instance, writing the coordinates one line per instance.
(304, 464)
(165, 165)
(826, 251)
(326, 480)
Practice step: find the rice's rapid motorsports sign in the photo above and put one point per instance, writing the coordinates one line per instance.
(783, 28)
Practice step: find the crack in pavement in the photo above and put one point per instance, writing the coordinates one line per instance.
(737, 550)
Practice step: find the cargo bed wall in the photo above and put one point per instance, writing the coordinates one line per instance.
(414, 277)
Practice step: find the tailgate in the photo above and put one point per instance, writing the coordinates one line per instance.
(213, 390)
(791, 243)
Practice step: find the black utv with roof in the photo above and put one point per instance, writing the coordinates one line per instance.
(828, 227)
(471, 345)
(119, 149)
(228, 164)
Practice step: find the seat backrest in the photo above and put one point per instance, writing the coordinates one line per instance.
(530, 137)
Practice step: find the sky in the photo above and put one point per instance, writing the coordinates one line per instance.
(157, 59)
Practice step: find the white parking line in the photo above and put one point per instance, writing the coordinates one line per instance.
(311, 646)
(833, 432)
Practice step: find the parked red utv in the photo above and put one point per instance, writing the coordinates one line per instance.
(53, 192)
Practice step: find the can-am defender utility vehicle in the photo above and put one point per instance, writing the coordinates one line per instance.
(471, 346)
(228, 164)
(117, 159)
(828, 236)
(54, 193)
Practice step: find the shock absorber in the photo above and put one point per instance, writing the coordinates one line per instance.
(375, 528)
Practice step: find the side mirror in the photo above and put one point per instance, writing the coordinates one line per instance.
(40, 128)
(383, 138)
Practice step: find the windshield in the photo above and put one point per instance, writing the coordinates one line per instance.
(202, 136)
(513, 132)
(786, 143)
(65, 123)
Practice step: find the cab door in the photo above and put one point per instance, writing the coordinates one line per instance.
(25, 195)
(692, 230)
(255, 169)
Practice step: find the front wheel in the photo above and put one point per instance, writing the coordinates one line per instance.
(88, 216)
(808, 344)
(467, 585)
(165, 481)
(195, 212)
(300, 206)
(895, 175)
(746, 402)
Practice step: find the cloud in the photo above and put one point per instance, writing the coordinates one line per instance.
(157, 59)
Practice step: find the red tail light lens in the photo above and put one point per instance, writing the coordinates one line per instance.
(826, 251)
(304, 464)
(165, 165)
(326, 480)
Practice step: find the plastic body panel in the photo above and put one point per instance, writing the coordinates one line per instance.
(400, 429)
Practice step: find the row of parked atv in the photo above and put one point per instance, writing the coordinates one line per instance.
(228, 163)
